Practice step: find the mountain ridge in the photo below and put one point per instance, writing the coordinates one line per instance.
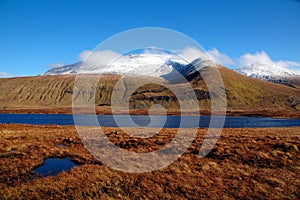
(165, 65)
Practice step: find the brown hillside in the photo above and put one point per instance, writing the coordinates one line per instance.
(54, 93)
(252, 94)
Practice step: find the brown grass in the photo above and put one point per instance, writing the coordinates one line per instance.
(245, 164)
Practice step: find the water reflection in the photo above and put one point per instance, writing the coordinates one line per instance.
(54, 166)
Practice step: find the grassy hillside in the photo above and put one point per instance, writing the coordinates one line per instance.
(55, 92)
(248, 93)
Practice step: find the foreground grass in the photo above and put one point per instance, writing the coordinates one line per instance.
(245, 164)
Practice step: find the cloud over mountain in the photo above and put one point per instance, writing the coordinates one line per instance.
(99, 58)
(102, 58)
(263, 58)
(220, 58)
(5, 75)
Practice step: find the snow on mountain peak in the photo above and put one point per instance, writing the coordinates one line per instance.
(268, 72)
(149, 64)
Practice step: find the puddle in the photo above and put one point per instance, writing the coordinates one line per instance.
(61, 146)
(54, 166)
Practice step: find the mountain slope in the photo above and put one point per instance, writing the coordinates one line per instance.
(55, 92)
(244, 93)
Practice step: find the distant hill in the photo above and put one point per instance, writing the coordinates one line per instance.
(54, 94)
(272, 73)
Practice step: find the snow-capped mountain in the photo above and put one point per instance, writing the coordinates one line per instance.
(168, 66)
(187, 70)
(66, 69)
(135, 64)
(268, 72)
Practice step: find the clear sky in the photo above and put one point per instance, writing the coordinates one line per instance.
(37, 34)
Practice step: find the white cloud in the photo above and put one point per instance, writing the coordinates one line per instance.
(259, 57)
(5, 75)
(154, 50)
(191, 53)
(262, 57)
(99, 58)
(103, 58)
(220, 58)
(55, 65)
(290, 64)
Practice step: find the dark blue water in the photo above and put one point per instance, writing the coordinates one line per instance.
(171, 121)
(54, 166)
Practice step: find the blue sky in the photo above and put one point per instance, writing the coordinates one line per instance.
(38, 34)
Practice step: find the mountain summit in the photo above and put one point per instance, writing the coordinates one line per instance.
(135, 64)
(148, 64)
(269, 72)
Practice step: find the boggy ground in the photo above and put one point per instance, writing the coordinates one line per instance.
(247, 163)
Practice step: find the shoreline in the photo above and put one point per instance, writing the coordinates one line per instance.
(126, 127)
(107, 111)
